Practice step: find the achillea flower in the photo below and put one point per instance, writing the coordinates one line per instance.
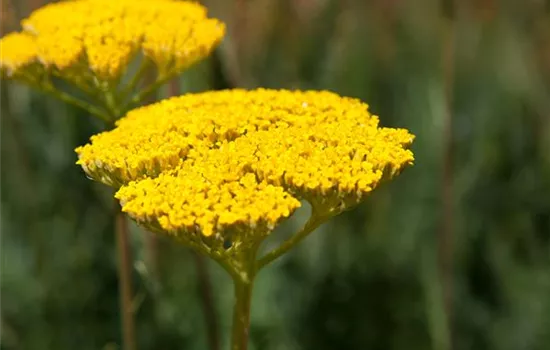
(232, 164)
(17, 51)
(97, 38)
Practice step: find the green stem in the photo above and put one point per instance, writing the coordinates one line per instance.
(241, 311)
(107, 90)
(112, 105)
(132, 84)
(140, 96)
(313, 222)
(48, 88)
(78, 82)
(63, 96)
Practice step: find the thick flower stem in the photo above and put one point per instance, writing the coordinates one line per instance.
(241, 311)
(125, 281)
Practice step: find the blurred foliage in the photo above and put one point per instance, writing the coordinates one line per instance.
(367, 280)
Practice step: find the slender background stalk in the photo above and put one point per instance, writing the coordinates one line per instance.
(207, 302)
(125, 280)
(446, 237)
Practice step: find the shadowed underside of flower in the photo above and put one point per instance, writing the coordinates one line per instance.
(96, 39)
(232, 164)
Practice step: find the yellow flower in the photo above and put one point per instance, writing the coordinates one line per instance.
(102, 36)
(216, 163)
(17, 51)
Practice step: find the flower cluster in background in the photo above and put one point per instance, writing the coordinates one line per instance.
(95, 53)
(102, 36)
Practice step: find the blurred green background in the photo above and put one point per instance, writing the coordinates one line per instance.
(462, 239)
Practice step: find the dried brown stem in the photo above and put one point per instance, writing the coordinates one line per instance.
(207, 302)
(446, 237)
(125, 281)
(8, 17)
(234, 54)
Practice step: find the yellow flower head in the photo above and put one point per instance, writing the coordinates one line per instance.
(17, 51)
(215, 163)
(102, 36)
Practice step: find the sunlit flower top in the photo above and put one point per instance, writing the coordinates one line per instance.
(221, 162)
(101, 36)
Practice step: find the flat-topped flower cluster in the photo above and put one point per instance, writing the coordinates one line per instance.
(87, 39)
(233, 164)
